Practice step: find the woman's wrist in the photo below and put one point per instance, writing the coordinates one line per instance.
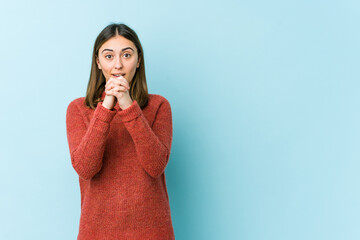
(126, 105)
(109, 102)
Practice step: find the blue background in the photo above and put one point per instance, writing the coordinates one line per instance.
(264, 95)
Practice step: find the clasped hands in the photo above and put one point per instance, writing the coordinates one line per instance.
(119, 88)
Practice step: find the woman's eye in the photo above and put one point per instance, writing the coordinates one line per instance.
(127, 54)
(107, 55)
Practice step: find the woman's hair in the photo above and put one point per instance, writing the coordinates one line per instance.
(138, 88)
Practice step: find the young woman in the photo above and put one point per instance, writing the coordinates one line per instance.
(120, 139)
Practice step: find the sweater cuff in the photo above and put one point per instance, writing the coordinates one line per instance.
(103, 113)
(130, 113)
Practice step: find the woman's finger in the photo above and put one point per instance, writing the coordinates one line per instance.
(117, 88)
(124, 82)
(120, 88)
(121, 81)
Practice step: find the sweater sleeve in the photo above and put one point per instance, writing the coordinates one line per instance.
(152, 144)
(87, 144)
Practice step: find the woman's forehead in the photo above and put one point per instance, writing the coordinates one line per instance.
(118, 44)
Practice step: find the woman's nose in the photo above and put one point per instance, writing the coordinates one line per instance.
(118, 63)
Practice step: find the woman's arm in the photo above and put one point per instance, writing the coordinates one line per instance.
(153, 144)
(87, 145)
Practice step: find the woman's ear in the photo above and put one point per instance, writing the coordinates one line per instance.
(138, 64)
(98, 63)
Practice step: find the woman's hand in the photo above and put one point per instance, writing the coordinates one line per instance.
(109, 102)
(119, 88)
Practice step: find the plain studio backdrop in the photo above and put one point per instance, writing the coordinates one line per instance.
(265, 102)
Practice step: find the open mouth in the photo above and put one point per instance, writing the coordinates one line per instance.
(118, 75)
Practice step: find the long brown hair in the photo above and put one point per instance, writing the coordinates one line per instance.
(138, 87)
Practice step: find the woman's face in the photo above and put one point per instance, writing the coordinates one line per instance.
(118, 55)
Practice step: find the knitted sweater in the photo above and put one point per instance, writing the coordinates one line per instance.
(120, 157)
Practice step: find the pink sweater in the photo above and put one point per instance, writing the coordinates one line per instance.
(120, 157)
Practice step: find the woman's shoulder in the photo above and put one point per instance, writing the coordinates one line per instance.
(157, 99)
(76, 103)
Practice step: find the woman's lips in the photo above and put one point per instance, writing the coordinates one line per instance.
(118, 75)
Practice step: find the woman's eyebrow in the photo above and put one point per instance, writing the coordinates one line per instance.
(107, 49)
